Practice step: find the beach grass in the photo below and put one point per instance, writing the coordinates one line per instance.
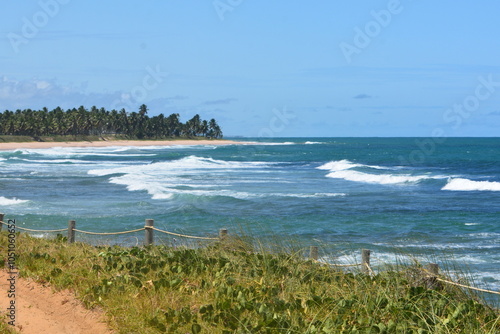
(239, 285)
(5, 328)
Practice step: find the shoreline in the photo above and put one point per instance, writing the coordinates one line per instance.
(111, 143)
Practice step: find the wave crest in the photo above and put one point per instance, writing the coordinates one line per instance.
(343, 169)
(460, 184)
(9, 201)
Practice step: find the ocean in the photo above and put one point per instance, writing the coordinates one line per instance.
(433, 200)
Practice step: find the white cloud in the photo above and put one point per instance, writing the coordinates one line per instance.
(37, 93)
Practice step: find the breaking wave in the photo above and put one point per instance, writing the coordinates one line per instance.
(344, 169)
(9, 201)
(459, 184)
(163, 180)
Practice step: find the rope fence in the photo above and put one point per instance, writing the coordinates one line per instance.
(183, 235)
(432, 273)
(107, 233)
(45, 231)
(149, 228)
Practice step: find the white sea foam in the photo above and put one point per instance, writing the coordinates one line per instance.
(339, 165)
(190, 175)
(163, 180)
(62, 161)
(315, 195)
(166, 188)
(9, 201)
(313, 142)
(460, 184)
(274, 144)
(374, 178)
(184, 164)
(484, 235)
(342, 169)
(67, 152)
(490, 280)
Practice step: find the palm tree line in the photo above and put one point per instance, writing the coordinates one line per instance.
(99, 122)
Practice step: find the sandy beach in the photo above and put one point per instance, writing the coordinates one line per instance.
(106, 143)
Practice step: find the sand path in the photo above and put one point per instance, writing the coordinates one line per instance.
(40, 310)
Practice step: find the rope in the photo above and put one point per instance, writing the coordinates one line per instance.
(346, 265)
(44, 231)
(468, 287)
(181, 235)
(369, 269)
(30, 230)
(108, 233)
(458, 284)
(338, 265)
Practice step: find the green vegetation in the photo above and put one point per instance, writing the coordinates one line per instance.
(227, 287)
(4, 327)
(101, 122)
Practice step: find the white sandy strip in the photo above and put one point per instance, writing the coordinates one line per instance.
(36, 145)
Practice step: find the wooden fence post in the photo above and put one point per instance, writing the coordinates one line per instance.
(71, 231)
(433, 268)
(432, 282)
(148, 237)
(1, 220)
(365, 261)
(222, 233)
(313, 252)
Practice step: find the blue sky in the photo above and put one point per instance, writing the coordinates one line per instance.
(263, 68)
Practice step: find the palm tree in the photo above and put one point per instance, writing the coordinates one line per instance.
(214, 129)
(143, 110)
(174, 126)
(193, 126)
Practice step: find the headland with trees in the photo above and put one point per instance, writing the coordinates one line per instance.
(79, 123)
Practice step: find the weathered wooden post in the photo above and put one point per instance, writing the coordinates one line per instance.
(433, 268)
(365, 261)
(222, 233)
(71, 231)
(148, 237)
(431, 281)
(313, 252)
(1, 220)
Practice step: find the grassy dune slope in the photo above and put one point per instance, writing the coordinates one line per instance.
(231, 288)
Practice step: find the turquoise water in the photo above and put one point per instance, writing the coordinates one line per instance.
(390, 195)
